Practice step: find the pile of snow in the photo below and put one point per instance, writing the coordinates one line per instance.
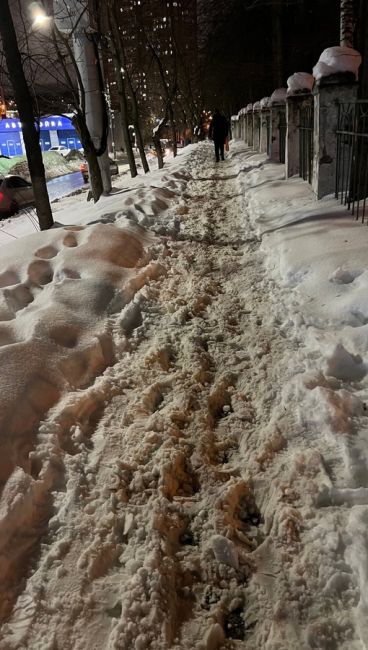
(279, 96)
(58, 291)
(257, 106)
(249, 107)
(300, 83)
(336, 60)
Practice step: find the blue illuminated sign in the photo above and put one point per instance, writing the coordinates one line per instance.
(53, 122)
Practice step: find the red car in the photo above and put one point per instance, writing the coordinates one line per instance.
(114, 169)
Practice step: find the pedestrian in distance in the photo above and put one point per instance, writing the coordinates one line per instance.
(218, 132)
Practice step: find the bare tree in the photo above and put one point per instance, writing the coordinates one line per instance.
(347, 23)
(26, 113)
(119, 50)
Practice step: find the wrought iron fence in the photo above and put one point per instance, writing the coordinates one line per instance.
(282, 135)
(352, 157)
(306, 142)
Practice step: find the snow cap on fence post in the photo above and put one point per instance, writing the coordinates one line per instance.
(335, 74)
(299, 87)
(337, 60)
(300, 83)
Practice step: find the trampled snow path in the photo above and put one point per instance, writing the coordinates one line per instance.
(173, 500)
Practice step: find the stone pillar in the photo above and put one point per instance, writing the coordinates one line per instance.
(275, 134)
(235, 127)
(328, 93)
(263, 134)
(294, 103)
(250, 128)
(238, 129)
(278, 104)
(256, 125)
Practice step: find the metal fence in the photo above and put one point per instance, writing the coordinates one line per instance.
(282, 136)
(352, 157)
(306, 142)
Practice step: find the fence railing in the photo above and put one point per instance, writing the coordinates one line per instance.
(306, 142)
(352, 157)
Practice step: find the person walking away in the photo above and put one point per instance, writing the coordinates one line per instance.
(218, 132)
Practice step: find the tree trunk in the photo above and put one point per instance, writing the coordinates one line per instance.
(173, 129)
(95, 178)
(362, 46)
(118, 66)
(138, 132)
(140, 143)
(157, 142)
(125, 129)
(25, 109)
(347, 23)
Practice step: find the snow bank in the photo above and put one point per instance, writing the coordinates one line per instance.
(336, 60)
(299, 83)
(317, 256)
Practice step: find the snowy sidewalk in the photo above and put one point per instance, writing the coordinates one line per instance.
(194, 493)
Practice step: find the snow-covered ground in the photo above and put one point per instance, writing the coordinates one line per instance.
(183, 428)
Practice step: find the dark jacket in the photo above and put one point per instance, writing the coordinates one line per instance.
(219, 127)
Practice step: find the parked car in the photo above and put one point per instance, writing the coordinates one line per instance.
(15, 193)
(114, 169)
(60, 149)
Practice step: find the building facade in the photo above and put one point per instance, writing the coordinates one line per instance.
(54, 131)
(157, 33)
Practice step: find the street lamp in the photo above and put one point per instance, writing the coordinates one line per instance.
(38, 16)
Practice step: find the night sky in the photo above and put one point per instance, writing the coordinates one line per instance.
(247, 53)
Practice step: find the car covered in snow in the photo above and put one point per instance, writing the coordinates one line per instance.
(114, 169)
(15, 193)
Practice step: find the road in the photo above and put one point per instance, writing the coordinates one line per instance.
(63, 185)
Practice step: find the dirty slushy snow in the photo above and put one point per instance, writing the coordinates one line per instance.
(183, 431)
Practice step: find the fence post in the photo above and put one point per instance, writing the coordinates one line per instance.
(293, 106)
(249, 124)
(256, 125)
(235, 127)
(278, 103)
(244, 125)
(328, 93)
(264, 116)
